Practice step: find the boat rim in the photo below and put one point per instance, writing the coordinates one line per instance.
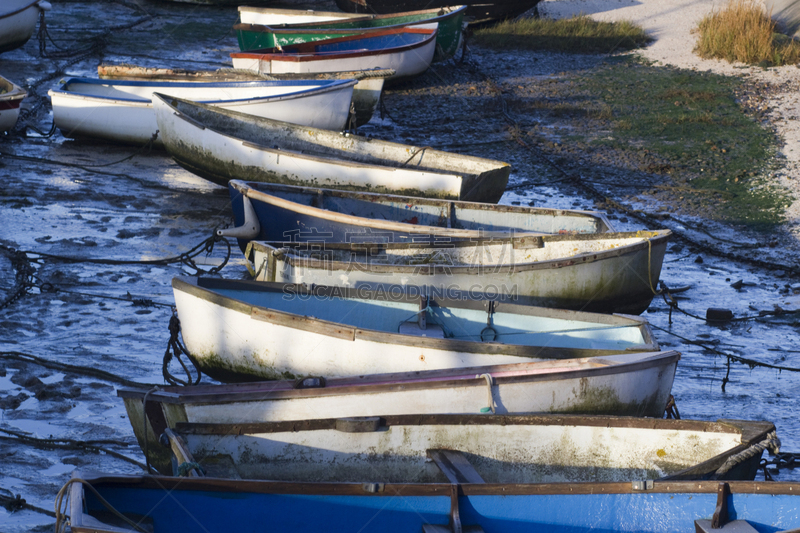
(204, 288)
(250, 190)
(647, 239)
(504, 374)
(326, 86)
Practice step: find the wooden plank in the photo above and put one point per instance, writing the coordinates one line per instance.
(455, 466)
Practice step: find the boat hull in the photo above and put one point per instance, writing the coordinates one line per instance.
(633, 384)
(11, 96)
(408, 51)
(603, 273)
(122, 111)
(366, 92)
(221, 146)
(238, 331)
(179, 504)
(264, 33)
(478, 13)
(535, 449)
(322, 215)
(18, 21)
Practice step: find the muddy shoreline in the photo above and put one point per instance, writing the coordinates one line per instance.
(75, 198)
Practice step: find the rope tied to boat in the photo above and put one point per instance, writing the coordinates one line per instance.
(671, 410)
(184, 469)
(175, 349)
(63, 497)
(489, 383)
(771, 442)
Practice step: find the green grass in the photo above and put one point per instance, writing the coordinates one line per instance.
(715, 153)
(579, 34)
(743, 32)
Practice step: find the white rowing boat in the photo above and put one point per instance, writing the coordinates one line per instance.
(122, 111)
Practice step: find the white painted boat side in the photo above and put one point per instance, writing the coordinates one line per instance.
(528, 454)
(18, 21)
(605, 266)
(180, 135)
(595, 394)
(227, 335)
(272, 17)
(131, 118)
(406, 63)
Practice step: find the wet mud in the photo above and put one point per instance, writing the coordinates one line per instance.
(123, 207)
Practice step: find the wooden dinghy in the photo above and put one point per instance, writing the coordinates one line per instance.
(604, 273)
(492, 449)
(11, 96)
(222, 145)
(366, 92)
(239, 330)
(268, 28)
(179, 505)
(272, 212)
(636, 384)
(407, 51)
(122, 111)
(18, 21)
(479, 12)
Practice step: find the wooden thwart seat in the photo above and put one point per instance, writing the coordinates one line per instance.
(455, 466)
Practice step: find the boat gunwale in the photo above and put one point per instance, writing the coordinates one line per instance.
(492, 165)
(145, 481)
(310, 28)
(395, 382)
(749, 431)
(329, 328)
(480, 419)
(13, 93)
(273, 54)
(251, 190)
(138, 73)
(328, 86)
(354, 17)
(657, 238)
(21, 9)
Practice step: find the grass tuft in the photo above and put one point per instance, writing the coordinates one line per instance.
(742, 32)
(579, 34)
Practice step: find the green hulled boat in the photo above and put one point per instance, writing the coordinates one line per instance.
(267, 34)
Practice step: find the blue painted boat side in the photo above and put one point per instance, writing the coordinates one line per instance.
(280, 224)
(371, 43)
(178, 510)
(635, 512)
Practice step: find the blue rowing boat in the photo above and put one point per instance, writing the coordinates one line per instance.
(272, 212)
(179, 505)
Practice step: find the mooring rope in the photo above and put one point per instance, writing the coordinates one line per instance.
(62, 503)
(74, 369)
(175, 349)
(68, 444)
(15, 502)
(771, 442)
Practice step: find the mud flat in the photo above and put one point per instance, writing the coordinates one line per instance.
(94, 201)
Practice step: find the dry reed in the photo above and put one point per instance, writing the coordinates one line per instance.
(743, 32)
